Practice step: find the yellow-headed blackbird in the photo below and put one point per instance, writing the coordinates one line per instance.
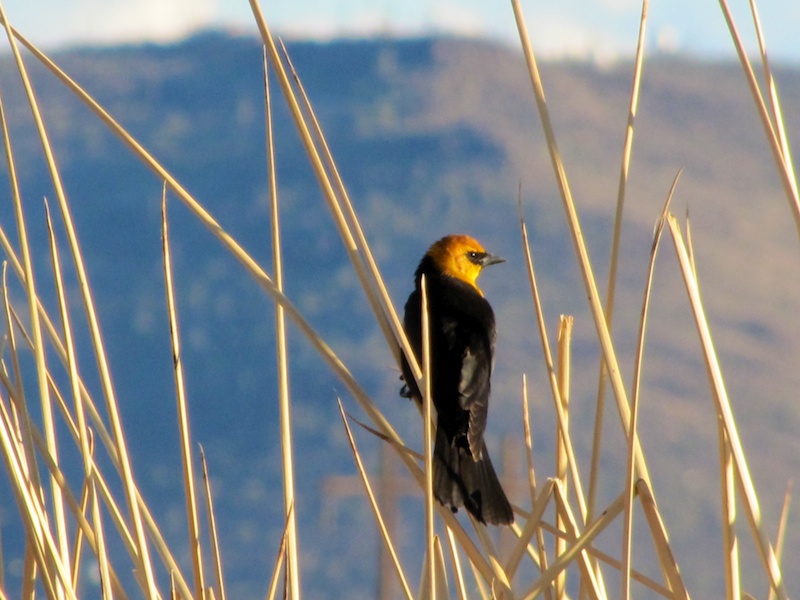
(462, 337)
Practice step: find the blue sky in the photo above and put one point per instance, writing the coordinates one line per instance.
(600, 28)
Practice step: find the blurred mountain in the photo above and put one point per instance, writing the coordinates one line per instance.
(431, 136)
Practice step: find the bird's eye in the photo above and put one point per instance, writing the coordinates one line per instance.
(474, 257)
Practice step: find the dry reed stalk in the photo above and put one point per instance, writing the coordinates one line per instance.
(102, 554)
(427, 441)
(590, 584)
(539, 558)
(775, 104)
(29, 571)
(375, 509)
(431, 588)
(772, 90)
(480, 583)
(62, 350)
(562, 460)
(532, 527)
(279, 559)
(627, 149)
(485, 566)
(442, 589)
(501, 582)
(776, 136)
(528, 437)
(212, 527)
(477, 559)
(399, 448)
(34, 536)
(552, 373)
(15, 389)
(659, 534)
(74, 507)
(627, 535)
(470, 549)
(441, 563)
(614, 563)
(782, 530)
(532, 552)
(184, 432)
(39, 514)
(730, 546)
(777, 140)
(77, 544)
(461, 588)
(724, 413)
(85, 445)
(562, 561)
(282, 358)
(77, 508)
(20, 442)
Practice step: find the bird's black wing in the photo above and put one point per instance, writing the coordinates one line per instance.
(463, 335)
(475, 380)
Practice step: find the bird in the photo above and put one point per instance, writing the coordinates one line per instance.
(462, 341)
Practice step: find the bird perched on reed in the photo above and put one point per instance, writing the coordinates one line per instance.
(462, 339)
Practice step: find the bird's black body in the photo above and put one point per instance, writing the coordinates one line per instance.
(462, 332)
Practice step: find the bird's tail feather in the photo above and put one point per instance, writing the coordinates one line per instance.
(459, 480)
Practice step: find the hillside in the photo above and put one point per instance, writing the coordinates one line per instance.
(432, 136)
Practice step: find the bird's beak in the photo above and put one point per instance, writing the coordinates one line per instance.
(491, 259)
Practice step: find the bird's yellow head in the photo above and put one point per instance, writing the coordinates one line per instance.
(462, 257)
